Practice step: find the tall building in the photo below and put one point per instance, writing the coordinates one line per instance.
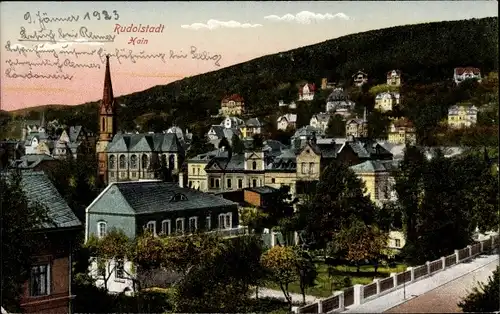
(107, 124)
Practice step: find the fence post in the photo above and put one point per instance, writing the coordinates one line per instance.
(320, 306)
(470, 250)
(358, 294)
(377, 281)
(458, 256)
(394, 278)
(341, 300)
(443, 261)
(412, 273)
(492, 242)
(428, 264)
(482, 246)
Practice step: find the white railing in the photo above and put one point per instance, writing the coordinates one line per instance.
(359, 294)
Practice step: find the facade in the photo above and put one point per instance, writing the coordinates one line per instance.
(378, 179)
(48, 289)
(73, 141)
(356, 127)
(38, 143)
(462, 116)
(306, 92)
(320, 121)
(401, 131)
(338, 102)
(160, 207)
(133, 157)
(233, 105)
(251, 127)
(359, 78)
(394, 78)
(218, 132)
(326, 85)
(386, 101)
(467, 73)
(107, 124)
(397, 240)
(286, 121)
(282, 104)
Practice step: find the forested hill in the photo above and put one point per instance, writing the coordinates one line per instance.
(424, 52)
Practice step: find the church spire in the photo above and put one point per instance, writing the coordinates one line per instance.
(107, 97)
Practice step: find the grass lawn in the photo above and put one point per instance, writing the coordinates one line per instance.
(325, 285)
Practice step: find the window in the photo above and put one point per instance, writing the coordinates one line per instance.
(163, 160)
(225, 221)
(119, 269)
(171, 161)
(304, 168)
(40, 280)
(311, 167)
(193, 224)
(133, 161)
(112, 162)
(208, 222)
(190, 184)
(101, 229)
(212, 182)
(273, 180)
(240, 183)
(228, 183)
(103, 124)
(228, 220)
(145, 161)
(254, 165)
(166, 227)
(151, 227)
(193, 170)
(122, 162)
(397, 243)
(254, 183)
(179, 225)
(217, 183)
(198, 171)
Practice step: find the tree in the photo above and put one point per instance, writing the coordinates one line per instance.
(199, 145)
(336, 126)
(378, 125)
(254, 218)
(306, 270)
(377, 89)
(339, 197)
(360, 242)
(106, 251)
(224, 143)
(237, 145)
(20, 223)
(483, 297)
(280, 261)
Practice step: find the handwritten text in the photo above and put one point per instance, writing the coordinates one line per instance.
(42, 19)
(53, 37)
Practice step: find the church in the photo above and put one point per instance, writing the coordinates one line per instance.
(133, 156)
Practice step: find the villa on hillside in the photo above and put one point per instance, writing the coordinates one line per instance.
(402, 131)
(233, 105)
(320, 121)
(462, 74)
(386, 101)
(306, 92)
(394, 78)
(460, 116)
(359, 78)
(286, 121)
(282, 104)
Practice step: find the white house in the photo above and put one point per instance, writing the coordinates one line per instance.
(462, 74)
(359, 78)
(394, 78)
(291, 105)
(286, 121)
(306, 92)
(386, 101)
(320, 121)
(232, 122)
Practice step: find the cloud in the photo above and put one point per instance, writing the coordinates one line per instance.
(306, 17)
(214, 24)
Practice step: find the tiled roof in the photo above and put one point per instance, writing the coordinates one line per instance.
(234, 97)
(74, 132)
(155, 196)
(39, 189)
(322, 117)
(253, 122)
(312, 88)
(396, 72)
(145, 142)
(460, 71)
(263, 189)
(337, 94)
(371, 166)
(384, 95)
(289, 117)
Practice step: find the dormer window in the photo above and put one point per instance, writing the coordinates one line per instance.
(254, 165)
(178, 197)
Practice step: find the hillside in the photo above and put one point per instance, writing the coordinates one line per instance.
(424, 52)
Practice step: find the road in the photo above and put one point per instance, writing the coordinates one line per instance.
(480, 267)
(444, 299)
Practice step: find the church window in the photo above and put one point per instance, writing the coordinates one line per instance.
(145, 161)
(122, 162)
(133, 161)
(112, 161)
(254, 165)
(103, 124)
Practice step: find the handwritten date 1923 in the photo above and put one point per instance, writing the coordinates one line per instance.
(42, 18)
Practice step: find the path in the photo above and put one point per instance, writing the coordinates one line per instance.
(278, 294)
(420, 287)
(445, 298)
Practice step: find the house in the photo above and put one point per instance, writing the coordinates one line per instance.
(232, 122)
(460, 116)
(397, 240)
(133, 157)
(38, 143)
(73, 141)
(339, 103)
(233, 105)
(33, 126)
(162, 208)
(306, 92)
(48, 289)
(259, 196)
(197, 177)
(36, 162)
(320, 121)
(394, 78)
(386, 101)
(251, 127)
(282, 104)
(467, 73)
(326, 85)
(378, 178)
(359, 78)
(282, 170)
(357, 127)
(401, 131)
(286, 121)
(218, 132)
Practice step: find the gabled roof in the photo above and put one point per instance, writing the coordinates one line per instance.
(147, 197)
(460, 71)
(157, 142)
(372, 166)
(253, 122)
(395, 72)
(234, 97)
(74, 132)
(322, 117)
(289, 117)
(312, 87)
(39, 189)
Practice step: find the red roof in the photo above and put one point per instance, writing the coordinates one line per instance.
(460, 71)
(233, 97)
(312, 87)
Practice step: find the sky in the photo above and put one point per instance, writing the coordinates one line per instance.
(54, 52)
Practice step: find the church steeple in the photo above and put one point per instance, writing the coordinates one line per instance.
(108, 101)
